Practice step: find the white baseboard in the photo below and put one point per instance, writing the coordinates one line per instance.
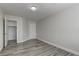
(1, 49)
(26, 40)
(61, 47)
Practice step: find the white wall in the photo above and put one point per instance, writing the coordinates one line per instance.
(61, 29)
(29, 29)
(32, 29)
(25, 29)
(1, 31)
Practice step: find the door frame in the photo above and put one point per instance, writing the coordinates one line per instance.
(19, 28)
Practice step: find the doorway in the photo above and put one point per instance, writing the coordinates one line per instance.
(13, 22)
(12, 32)
(12, 35)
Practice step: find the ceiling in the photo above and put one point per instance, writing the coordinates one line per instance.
(43, 9)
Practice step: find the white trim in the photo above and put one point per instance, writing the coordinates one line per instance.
(26, 40)
(1, 49)
(61, 47)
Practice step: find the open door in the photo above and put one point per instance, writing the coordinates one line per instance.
(6, 32)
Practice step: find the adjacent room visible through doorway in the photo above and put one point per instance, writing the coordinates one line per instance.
(12, 32)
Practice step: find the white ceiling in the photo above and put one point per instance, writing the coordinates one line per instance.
(43, 9)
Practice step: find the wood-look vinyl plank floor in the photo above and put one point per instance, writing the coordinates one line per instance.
(33, 47)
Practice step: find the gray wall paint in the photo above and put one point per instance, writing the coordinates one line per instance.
(61, 29)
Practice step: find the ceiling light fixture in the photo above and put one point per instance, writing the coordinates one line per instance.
(33, 8)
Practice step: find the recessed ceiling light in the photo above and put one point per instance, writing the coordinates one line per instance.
(33, 8)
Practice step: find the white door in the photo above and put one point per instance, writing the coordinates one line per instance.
(6, 32)
(12, 33)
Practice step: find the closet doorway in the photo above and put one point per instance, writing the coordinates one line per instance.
(12, 33)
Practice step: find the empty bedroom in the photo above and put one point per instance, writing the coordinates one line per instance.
(39, 29)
